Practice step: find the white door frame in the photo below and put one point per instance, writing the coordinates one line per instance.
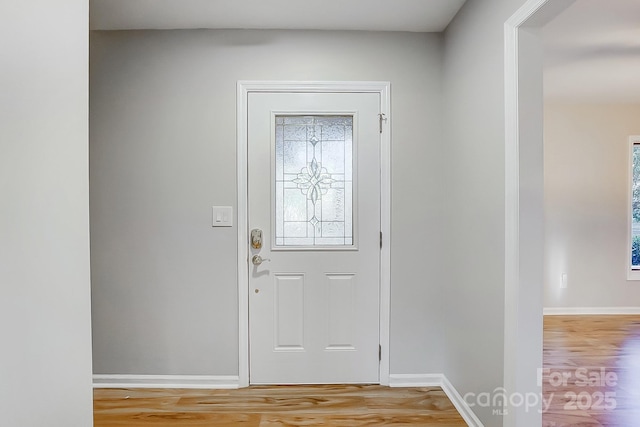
(524, 207)
(243, 90)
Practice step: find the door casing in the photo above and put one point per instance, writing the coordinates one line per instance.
(243, 90)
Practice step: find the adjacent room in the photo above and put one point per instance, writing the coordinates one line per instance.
(591, 166)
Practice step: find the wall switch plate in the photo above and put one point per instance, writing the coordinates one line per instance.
(565, 281)
(222, 216)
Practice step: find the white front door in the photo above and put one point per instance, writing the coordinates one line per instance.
(314, 196)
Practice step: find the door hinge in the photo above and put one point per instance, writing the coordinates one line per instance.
(379, 353)
(381, 240)
(383, 118)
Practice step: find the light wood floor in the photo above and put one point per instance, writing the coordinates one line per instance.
(600, 358)
(591, 378)
(329, 405)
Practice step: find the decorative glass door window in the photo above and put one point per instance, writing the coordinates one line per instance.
(313, 180)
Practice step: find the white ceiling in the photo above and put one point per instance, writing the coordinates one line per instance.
(592, 52)
(370, 15)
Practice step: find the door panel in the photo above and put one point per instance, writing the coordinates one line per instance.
(289, 312)
(341, 313)
(314, 192)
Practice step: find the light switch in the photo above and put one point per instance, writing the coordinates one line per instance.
(222, 216)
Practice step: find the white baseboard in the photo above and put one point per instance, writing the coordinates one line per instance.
(166, 381)
(415, 380)
(437, 380)
(576, 311)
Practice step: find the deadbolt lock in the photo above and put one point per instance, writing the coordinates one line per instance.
(256, 238)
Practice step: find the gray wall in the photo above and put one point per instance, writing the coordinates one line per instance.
(162, 152)
(586, 204)
(475, 156)
(45, 362)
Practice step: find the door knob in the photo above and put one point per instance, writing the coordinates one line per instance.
(257, 260)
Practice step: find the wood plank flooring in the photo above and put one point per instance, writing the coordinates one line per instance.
(271, 406)
(591, 378)
(592, 371)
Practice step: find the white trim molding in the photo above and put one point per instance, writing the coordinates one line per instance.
(166, 381)
(524, 217)
(243, 90)
(438, 380)
(415, 380)
(589, 311)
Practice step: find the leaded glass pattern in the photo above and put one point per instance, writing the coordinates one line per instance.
(313, 180)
